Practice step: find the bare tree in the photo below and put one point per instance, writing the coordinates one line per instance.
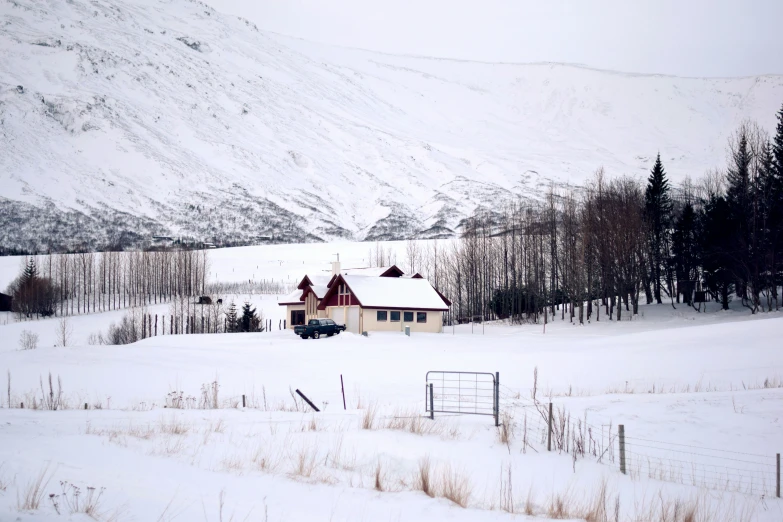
(63, 332)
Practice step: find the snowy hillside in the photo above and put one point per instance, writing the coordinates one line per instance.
(121, 119)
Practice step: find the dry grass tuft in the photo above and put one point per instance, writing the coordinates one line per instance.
(369, 415)
(265, 459)
(34, 491)
(233, 464)
(305, 461)
(380, 477)
(455, 486)
(562, 505)
(173, 426)
(424, 477)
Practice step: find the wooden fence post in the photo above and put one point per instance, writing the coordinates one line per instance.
(777, 459)
(308, 401)
(342, 387)
(432, 402)
(496, 399)
(549, 429)
(156, 325)
(143, 326)
(243, 401)
(621, 435)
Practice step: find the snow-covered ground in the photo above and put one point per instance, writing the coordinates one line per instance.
(698, 394)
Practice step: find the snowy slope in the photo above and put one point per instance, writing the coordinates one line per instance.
(122, 119)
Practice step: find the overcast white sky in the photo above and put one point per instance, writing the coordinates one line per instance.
(683, 37)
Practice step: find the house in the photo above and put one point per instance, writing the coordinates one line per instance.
(367, 300)
(6, 302)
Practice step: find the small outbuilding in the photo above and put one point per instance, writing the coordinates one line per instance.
(6, 302)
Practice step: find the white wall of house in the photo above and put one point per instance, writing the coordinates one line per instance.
(288, 310)
(433, 324)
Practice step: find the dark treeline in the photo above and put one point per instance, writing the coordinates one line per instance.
(594, 252)
(69, 284)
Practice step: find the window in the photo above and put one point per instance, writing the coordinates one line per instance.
(395, 317)
(421, 317)
(381, 317)
(297, 317)
(314, 322)
(408, 317)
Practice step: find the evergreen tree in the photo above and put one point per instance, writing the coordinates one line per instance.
(776, 204)
(29, 274)
(777, 149)
(685, 246)
(742, 200)
(249, 320)
(716, 250)
(658, 211)
(231, 318)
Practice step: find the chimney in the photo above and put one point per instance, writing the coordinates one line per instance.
(335, 268)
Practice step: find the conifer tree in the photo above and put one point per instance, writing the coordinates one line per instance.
(658, 212)
(776, 204)
(29, 274)
(716, 250)
(685, 246)
(249, 320)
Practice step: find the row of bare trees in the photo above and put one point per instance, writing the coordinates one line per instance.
(568, 254)
(96, 282)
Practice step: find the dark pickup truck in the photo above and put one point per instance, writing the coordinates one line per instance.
(318, 327)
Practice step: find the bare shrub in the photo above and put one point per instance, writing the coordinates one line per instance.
(128, 331)
(34, 491)
(209, 396)
(96, 339)
(28, 340)
(505, 431)
(75, 502)
(368, 417)
(507, 491)
(52, 400)
(63, 332)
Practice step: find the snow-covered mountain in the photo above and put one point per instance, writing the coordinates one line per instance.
(120, 119)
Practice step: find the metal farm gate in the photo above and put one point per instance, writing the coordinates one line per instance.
(466, 393)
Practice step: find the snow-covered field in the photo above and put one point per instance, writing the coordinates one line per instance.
(698, 394)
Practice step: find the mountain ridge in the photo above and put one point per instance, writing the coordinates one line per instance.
(198, 124)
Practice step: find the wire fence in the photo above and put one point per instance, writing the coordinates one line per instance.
(640, 458)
